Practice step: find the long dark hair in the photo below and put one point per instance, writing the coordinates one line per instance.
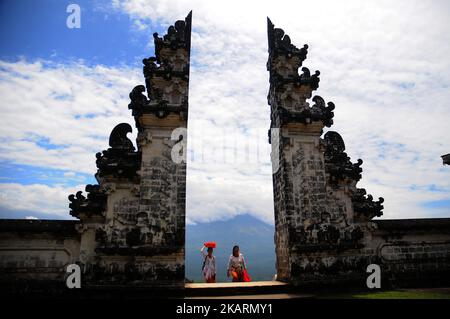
(236, 247)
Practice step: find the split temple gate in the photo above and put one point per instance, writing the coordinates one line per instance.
(130, 232)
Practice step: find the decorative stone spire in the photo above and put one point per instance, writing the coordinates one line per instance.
(178, 36)
(280, 44)
(290, 89)
(166, 74)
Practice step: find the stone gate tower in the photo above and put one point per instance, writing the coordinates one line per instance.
(133, 222)
(322, 219)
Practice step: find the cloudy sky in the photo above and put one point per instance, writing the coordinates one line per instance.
(385, 64)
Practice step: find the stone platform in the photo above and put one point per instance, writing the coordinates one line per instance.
(242, 290)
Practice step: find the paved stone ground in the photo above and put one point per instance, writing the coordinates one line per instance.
(263, 296)
(240, 289)
(413, 293)
(280, 290)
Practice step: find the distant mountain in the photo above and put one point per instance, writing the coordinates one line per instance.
(254, 237)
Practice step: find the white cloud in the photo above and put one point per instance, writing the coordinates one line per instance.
(37, 198)
(74, 106)
(69, 174)
(385, 65)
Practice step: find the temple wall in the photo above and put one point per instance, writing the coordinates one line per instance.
(37, 251)
(413, 251)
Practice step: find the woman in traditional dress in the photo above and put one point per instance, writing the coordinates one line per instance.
(236, 265)
(209, 264)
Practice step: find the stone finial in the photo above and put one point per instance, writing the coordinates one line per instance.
(337, 163)
(446, 159)
(120, 160)
(280, 43)
(138, 99)
(118, 139)
(178, 36)
(365, 207)
(94, 204)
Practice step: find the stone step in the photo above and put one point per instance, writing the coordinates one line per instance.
(237, 289)
(260, 296)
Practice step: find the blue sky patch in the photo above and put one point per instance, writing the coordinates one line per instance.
(27, 175)
(34, 30)
(437, 204)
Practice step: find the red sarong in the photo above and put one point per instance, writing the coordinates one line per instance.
(245, 276)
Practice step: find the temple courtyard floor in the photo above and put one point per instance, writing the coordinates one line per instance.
(280, 290)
